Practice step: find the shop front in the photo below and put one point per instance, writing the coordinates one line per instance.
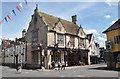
(71, 57)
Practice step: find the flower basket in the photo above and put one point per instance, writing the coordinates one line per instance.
(22, 53)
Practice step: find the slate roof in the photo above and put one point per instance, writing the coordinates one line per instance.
(115, 26)
(70, 27)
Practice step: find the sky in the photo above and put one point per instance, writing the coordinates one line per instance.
(94, 17)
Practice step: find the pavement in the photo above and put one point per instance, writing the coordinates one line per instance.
(97, 70)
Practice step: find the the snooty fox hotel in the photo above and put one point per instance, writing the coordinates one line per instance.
(50, 38)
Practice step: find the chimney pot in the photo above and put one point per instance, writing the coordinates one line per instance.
(74, 19)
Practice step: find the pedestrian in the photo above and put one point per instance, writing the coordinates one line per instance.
(63, 65)
(59, 65)
(42, 66)
(20, 66)
(53, 65)
(17, 67)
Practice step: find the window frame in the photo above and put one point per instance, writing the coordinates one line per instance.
(117, 39)
(60, 39)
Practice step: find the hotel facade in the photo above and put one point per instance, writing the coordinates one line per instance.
(49, 38)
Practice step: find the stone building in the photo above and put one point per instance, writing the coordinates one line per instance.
(50, 38)
(58, 39)
(13, 51)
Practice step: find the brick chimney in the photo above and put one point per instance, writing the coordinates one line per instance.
(74, 19)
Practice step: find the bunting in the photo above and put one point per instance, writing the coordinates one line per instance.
(18, 8)
(25, 2)
(9, 17)
(6, 19)
(14, 12)
(20, 4)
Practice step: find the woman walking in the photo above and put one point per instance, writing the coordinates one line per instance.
(59, 65)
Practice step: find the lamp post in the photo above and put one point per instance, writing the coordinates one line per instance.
(4, 57)
(14, 54)
(39, 51)
(25, 54)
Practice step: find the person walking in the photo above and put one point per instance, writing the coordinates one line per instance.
(53, 65)
(19, 67)
(42, 67)
(63, 65)
(59, 65)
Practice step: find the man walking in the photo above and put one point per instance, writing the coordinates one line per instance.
(63, 65)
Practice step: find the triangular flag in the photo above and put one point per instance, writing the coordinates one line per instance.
(20, 4)
(18, 8)
(9, 17)
(6, 19)
(14, 12)
(25, 2)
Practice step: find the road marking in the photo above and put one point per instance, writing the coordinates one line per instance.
(81, 76)
(62, 76)
(26, 72)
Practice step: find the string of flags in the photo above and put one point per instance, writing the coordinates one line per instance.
(18, 8)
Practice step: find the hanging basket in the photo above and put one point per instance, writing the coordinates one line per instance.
(58, 51)
(22, 53)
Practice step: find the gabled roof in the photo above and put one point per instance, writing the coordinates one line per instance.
(50, 20)
(115, 26)
(89, 36)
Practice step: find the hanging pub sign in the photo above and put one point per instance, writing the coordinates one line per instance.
(108, 45)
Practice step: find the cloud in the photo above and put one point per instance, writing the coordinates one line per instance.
(112, 2)
(113, 22)
(94, 31)
(101, 39)
(107, 16)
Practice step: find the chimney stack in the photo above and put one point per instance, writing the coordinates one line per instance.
(23, 33)
(74, 19)
(36, 10)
